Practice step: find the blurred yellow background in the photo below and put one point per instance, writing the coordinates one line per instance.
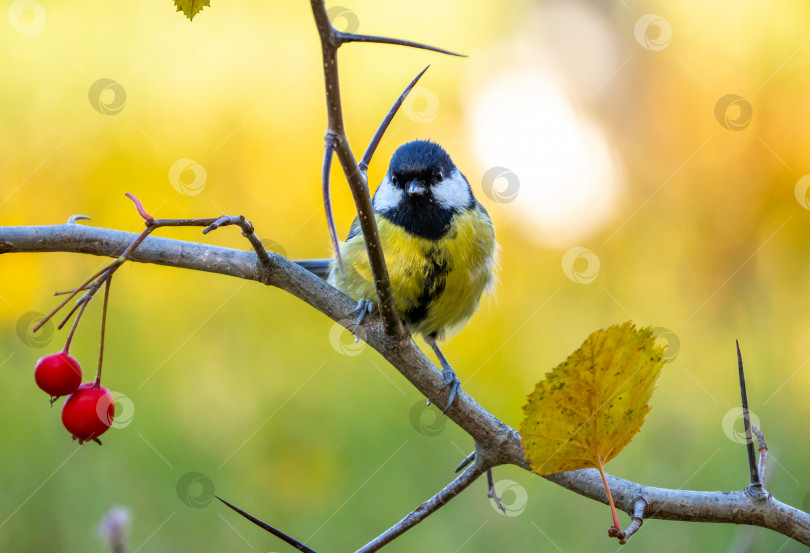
(624, 183)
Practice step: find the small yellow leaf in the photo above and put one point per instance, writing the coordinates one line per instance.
(190, 8)
(589, 407)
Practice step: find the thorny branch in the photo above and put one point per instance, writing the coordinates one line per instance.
(104, 276)
(496, 443)
(358, 183)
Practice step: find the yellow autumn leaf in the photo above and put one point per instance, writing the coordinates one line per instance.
(589, 407)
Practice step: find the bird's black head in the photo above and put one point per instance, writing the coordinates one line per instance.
(423, 190)
(417, 166)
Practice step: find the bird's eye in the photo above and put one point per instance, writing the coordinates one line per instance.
(394, 181)
(439, 176)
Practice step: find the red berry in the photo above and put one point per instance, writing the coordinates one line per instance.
(88, 412)
(58, 374)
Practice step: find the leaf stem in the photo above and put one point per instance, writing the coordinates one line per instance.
(610, 496)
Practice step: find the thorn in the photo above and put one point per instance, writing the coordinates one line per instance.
(329, 151)
(752, 463)
(278, 533)
(351, 37)
(375, 141)
(466, 461)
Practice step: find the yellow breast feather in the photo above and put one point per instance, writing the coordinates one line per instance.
(437, 284)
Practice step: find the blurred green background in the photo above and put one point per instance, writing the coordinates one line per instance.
(623, 181)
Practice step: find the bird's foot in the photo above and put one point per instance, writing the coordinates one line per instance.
(363, 309)
(492, 494)
(450, 379)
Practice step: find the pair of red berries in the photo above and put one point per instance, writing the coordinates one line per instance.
(89, 408)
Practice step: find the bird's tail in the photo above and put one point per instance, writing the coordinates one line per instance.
(318, 267)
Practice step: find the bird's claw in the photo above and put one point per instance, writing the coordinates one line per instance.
(449, 378)
(363, 309)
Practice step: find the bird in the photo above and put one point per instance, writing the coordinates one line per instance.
(439, 247)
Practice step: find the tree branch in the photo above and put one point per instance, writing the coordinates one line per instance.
(358, 183)
(496, 443)
(426, 509)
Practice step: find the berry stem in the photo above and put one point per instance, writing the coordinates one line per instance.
(103, 328)
(83, 286)
(103, 276)
(75, 325)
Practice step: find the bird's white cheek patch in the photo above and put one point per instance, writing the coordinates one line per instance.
(387, 196)
(452, 192)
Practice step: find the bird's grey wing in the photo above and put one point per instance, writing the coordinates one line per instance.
(318, 267)
(322, 267)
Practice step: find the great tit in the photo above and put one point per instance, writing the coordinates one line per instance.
(439, 246)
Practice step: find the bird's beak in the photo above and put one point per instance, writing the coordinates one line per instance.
(416, 188)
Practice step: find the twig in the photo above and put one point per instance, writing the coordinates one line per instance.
(75, 325)
(425, 509)
(148, 219)
(358, 184)
(332, 141)
(63, 292)
(763, 452)
(94, 283)
(81, 302)
(247, 232)
(635, 523)
(83, 286)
